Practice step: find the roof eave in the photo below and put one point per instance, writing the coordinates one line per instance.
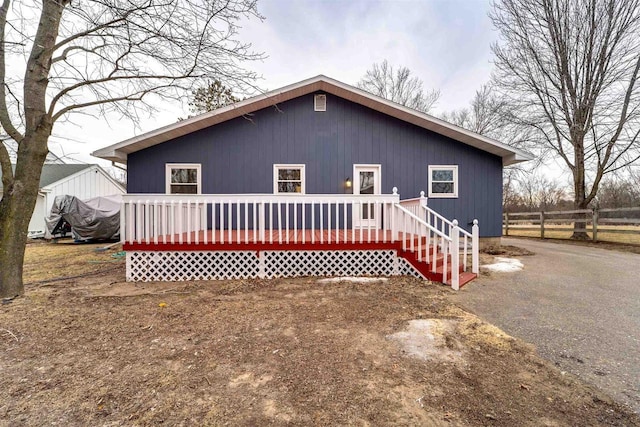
(516, 158)
(113, 155)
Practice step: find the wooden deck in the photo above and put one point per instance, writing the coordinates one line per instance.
(157, 231)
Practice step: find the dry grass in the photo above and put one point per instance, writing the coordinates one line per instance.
(564, 231)
(47, 260)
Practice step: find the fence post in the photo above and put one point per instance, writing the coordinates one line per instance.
(594, 223)
(542, 224)
(455, 256)
(475, 247)
(506, 223)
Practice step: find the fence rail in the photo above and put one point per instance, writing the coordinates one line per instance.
(600, 224)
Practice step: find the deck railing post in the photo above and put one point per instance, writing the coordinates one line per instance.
(395, 225)
(475, 247)
(455, 256)
(123, 221)
(423, 204)
(261, 221)
(180, 222)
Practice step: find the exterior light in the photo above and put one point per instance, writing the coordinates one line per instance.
(347, 183)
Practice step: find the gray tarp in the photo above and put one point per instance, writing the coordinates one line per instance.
(97, 218)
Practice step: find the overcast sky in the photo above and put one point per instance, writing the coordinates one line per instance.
(446, 43)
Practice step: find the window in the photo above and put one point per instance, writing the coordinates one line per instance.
(443, 181)
(183, 178)
(288, 179)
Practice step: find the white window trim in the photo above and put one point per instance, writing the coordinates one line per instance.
(303, 189)
(453, 195)
(378, 168)
(167, 174)
(316, 104)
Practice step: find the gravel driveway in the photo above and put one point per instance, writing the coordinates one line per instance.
(580, 306)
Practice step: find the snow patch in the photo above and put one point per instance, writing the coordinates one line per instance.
(504, 265)
(426, 339)
(353, 279)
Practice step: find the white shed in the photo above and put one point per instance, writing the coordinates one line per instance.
(82, 181)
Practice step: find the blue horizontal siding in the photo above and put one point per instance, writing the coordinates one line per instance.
(237, 156)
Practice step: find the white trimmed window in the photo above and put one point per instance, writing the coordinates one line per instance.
(320, 102)
(183, 178)
(443, 181)
(288, 179)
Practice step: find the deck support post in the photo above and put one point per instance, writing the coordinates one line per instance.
(396, 264)
(261, 265)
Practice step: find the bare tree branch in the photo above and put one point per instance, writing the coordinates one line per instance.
(398, 86)
(5, 119)
(5, 167)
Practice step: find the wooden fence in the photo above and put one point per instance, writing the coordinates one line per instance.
(620, 225)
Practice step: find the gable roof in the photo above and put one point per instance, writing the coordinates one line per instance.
(52, 173)
(118, 152)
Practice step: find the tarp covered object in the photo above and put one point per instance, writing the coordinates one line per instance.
(97, 218)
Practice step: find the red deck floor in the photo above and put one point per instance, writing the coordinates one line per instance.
(272, 238)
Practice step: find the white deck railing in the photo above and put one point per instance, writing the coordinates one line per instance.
(257, 218)
(457, 237)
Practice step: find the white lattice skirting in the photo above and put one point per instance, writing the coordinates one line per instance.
(146, 266)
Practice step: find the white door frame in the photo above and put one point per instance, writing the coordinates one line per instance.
(377, 189)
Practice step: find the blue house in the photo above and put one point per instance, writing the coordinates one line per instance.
(316, 178)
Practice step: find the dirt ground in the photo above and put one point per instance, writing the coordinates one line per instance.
(95, 350)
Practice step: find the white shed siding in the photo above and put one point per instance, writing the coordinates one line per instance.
(37, 218)
(86, 184)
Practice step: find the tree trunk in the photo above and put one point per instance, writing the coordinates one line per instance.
(579, 184)
(580, 224)
(16, 208)
(19, 198)
(579, 201)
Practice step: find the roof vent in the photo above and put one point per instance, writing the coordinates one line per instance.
(320, 102)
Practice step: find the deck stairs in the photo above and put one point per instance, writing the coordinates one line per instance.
(425, 263)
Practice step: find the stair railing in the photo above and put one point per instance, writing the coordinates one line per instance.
(412, 226)
(438, 221)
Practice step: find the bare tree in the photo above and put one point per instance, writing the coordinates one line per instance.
(97, 56)
(530, 190)
(569, 71)
(484, 116)
(398, 86)
(619, 192)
